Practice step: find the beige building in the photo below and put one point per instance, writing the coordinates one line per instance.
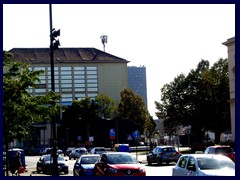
(79, 72)
(230, 43)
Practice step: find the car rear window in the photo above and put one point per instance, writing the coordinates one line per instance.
(224, 150)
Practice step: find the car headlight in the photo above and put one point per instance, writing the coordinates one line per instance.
(111, 170)
(142, 169)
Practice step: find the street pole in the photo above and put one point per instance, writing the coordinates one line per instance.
(54, 152)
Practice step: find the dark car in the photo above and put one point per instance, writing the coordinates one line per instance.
(44, 164)
(49, 150)
(162, 154)
(118, 164)
(85, 164)
(221, 149)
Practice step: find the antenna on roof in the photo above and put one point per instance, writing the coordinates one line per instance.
(104, 40)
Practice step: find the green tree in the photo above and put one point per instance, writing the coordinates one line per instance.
(20, 108)
(106, 106)
(199, 100)
(171, 108)
(150, 126)
(132, 108)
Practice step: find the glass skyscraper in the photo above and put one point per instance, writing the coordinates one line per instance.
(137, 81)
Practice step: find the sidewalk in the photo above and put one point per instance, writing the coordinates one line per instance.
(30, 172)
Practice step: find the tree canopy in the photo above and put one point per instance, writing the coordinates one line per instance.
(20, 108)
(199, 99)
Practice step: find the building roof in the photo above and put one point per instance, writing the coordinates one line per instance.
(229, 41)
(64, 55)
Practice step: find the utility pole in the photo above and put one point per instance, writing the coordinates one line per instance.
(53, 45)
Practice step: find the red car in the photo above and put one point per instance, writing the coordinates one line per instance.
(221, 149)
(118, 164)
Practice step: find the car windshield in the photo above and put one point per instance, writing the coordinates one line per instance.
(100, 150)
(89, 160)
(121, 159)
(47, 158)
(209, 163)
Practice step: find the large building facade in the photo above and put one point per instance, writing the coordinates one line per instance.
(230, 43)
(78, 72)
(137, 81)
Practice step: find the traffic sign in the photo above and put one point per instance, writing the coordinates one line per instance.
(91, 138)
(136, 134)
(112, 134)
(129, 138)
(79, 138)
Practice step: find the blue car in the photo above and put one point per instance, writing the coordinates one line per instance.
(85, 164)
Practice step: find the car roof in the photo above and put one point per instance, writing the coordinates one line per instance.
(216, 156)
(92, 155)
(107, 153)
(166, 147)
(219, 146)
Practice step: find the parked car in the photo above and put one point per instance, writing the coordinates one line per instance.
(77, 152)
(68, 151)
(204, 165)
(44, 164)
(220, 149)
(98, 150)
(140, 143)
(121, 148)
(162, 154)
(85, 164)
(49, 150)
(118, 164)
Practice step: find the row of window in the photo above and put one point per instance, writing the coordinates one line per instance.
(71, 82)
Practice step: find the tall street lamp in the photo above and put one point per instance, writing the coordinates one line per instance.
(54, 43)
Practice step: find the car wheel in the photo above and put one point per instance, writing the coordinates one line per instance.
(66, 172)
(38, 171)
(148, 161)
(159, 161)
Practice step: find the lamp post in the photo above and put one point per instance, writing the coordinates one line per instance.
(53, 45)
(67, 136)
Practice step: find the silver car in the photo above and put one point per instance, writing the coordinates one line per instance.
(98, 150)
(77, 152)
(204, 165)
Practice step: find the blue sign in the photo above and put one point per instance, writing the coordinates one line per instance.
(136, 134)
(112, 133)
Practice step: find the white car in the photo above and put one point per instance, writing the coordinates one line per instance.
(77, 153)
(98, 150)
(204, 165)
